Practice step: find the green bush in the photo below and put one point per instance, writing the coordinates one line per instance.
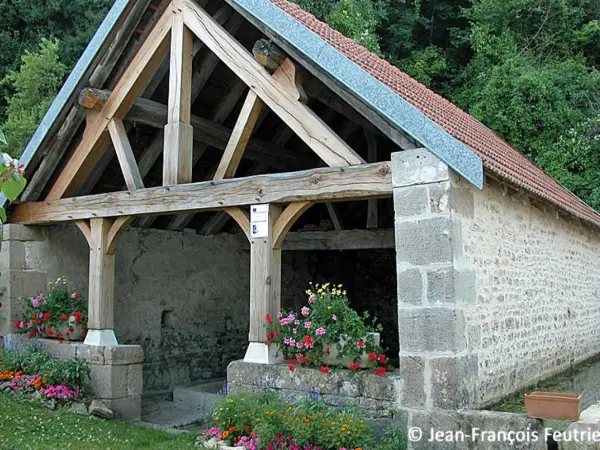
(73, 373)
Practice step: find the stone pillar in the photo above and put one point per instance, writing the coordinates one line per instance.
(435, 285)
(17, 280)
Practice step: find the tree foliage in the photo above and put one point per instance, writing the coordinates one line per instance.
(33, 89)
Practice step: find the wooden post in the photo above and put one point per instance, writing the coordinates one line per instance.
(102, 235)
(179, 134)
(101, 286)
(265, 281)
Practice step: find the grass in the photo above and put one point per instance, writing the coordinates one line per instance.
(26, 424)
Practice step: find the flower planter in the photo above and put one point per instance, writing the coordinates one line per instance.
(551, 405)
(333, 359)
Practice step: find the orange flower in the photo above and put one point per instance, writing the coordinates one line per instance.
(224, 434)
(231, 429)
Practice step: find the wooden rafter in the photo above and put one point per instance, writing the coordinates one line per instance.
(317, 185)
(131, 173)
(122, 98)
(305, 123)
(240, 136)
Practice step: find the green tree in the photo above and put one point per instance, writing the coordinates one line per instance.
(34, 87)
(25, 22)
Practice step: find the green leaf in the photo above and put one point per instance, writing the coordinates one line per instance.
(2, 215)
(13, 188)
(2, 138)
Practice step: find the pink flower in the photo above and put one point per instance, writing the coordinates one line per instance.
(279, 315)
(295, 330)
(305, 311)
(320, 331)
(75, 295)
(334, 317)
(35, 302)
(307, 325)
(312, 299)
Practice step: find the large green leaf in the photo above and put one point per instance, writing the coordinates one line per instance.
(13, 187)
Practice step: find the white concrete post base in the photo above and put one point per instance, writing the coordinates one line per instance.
(101, 338)
(260, 353)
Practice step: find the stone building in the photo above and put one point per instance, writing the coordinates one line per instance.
(183, 115)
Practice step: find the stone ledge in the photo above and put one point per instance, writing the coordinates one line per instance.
(375, 395)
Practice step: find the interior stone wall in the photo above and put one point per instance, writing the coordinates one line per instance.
(537, 308)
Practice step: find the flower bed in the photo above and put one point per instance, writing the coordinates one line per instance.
(327, 333)
(33, 371)
(57, 312)
(263, 422)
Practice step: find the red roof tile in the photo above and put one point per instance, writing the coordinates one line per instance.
(497, 155)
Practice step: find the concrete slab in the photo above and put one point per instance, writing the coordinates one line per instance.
(168, 414)
(201, 397)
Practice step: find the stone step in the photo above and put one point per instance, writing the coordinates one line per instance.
(200, 397)
(166, 414)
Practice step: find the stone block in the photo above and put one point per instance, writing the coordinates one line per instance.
(410, 201)
(447, 285)
(412, 375)
(445, 197)
(126, 408)
(15, 232)
(24, 283)
(12, 256)
(109, 381)
(387, 387)
(123, 354)
(418, 166)
(426, 241)
(135, 380)
(431, 329)
(452, 381)
(410, 286)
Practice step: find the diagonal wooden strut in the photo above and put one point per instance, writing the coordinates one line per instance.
(131, 172)
(305, 123)
(147, 60)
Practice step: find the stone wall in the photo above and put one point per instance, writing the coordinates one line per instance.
(537, 309)
(377, 397)
(183, 297)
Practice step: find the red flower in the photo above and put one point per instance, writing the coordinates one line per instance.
(361, 344)
(291, 368)
(75, 295)
(354, 366)
(294, 361)
(372, 356)
(379, 372)
(266, 342)
(268, 318)
(82, 334)
(46, 316)
(381, 359)
(49, 331)
(276, 334)
(308, 341)
(324, 369)
(63, 317)
(269, 336)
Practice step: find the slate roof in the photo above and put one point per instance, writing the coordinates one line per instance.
(498, 156)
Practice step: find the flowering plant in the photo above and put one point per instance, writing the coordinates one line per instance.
(325, 325)
(56, 312)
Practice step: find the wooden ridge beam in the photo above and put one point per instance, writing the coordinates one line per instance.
(316, 185)
(305, 123)
(154, 114)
